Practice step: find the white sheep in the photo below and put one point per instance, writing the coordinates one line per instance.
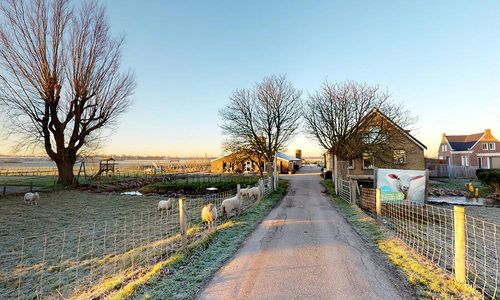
(31, 198)
(209, 215)
(254, 193)
(244, 191)
(231, 204)
(165, 204)
(410, 186)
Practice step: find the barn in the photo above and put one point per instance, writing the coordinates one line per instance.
(249, 163)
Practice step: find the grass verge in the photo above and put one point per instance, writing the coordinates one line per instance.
(430, 282)
(183, 275)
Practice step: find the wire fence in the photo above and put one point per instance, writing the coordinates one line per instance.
(435, 233)
(94, 259)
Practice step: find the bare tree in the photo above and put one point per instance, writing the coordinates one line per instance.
(263, 119)
(336, 118)
(60, 80)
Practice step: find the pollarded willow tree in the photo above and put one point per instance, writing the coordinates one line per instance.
(60, 80)
(335, 117)
(262, 120)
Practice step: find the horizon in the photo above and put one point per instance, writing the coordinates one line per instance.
(441, 60)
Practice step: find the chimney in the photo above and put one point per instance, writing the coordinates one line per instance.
(443, 138)
(487, 131)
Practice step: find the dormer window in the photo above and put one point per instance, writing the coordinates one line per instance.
(485, 146)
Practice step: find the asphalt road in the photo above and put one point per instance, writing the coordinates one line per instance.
(305, 250)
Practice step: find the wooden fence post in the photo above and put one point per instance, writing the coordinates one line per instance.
(182, 220)
(238, 188)
(261, 188)
(352, 188)
(378, 205)
(460, 243)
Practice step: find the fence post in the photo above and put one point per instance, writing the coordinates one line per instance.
(459, 234)
(261, 188)
(238, 187)
(352, 189)
(378, 205)
(182, 220)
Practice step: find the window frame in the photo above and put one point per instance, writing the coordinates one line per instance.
(395, 160)
(351, 165)
(465, 161)
(484, 146)
(492, 146)
(368, 156)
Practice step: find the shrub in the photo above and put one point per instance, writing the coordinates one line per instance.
(490, 177)
(328, 175)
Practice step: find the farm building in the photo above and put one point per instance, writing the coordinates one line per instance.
(250, 163)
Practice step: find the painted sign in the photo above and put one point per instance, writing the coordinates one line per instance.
(398, 185)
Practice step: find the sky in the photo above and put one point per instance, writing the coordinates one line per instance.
(441, 59)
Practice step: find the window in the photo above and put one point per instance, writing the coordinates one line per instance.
(492, 146)
(351, 164)
(480, 162)
(367, 161)
(399, 157)
(444, 148)
(485, 146)
(375, 134)
(465, 161)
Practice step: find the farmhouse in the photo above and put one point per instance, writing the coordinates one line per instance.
(403, 151)
(252, 163)
(481, 150)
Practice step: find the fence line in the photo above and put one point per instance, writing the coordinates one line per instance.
(443, 170)
(432, 232)
(94, 258)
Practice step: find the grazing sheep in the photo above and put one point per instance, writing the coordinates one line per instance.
(31, 198)
(231, 204)
(209, 215)
(251, 192)
(244, 191)
(165, 204)
(254, 193)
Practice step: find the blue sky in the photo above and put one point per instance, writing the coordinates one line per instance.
(440, 58)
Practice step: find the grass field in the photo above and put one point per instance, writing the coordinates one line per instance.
(76, 240)
(51, 245)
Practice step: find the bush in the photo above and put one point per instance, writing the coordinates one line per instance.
(328, 175)
(490, 177)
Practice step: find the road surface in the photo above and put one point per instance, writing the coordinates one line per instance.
(305, 250)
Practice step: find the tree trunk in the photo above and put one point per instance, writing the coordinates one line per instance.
(270, 168)
(65, 169)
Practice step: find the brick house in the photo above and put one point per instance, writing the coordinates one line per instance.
(480, 150)
(403, 150)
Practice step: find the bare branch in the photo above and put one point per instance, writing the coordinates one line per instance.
(61, 81)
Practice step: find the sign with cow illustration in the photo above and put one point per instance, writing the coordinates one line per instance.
(399, 185)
